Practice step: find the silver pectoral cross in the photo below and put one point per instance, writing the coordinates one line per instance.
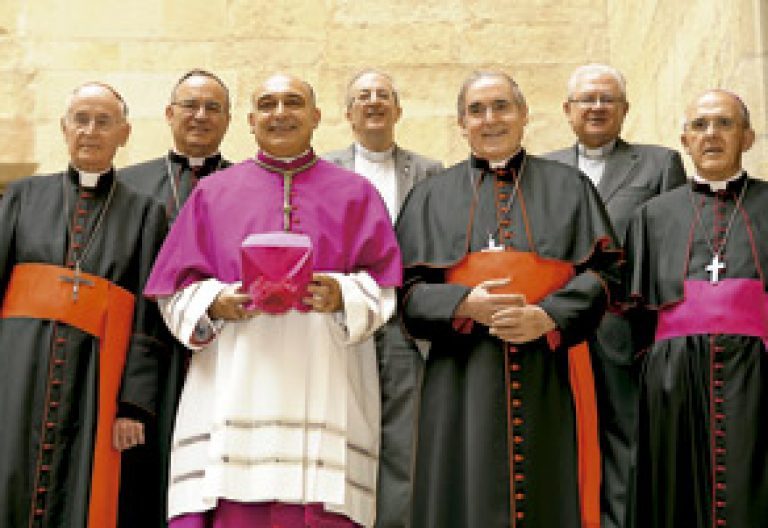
(714, 268)
(76, 279)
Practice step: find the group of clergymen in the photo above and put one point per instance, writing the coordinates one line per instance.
(569, 340)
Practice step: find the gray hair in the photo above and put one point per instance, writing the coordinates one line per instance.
(371, 71)
(198, 72)
(517, 94)
(123, 105)
(593, 70)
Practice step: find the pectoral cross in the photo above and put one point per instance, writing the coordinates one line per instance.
(76, 281)
(492, 246)
(714, 268)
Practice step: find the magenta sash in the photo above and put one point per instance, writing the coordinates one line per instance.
(732, 306)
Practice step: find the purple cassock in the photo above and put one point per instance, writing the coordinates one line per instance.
(339, 210)
(350, 231)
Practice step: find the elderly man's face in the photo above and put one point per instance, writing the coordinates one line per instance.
(198, 116)
(492, 121)
(596, 110)
(94, 127)
(372, 105)
(715, 135)
(284, 116)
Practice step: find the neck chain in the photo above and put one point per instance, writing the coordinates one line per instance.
(716, 265)
(510, 201)
(287, 175)
(173, 179)
(76, 280)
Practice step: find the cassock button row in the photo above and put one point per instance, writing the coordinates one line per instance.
(519, 477)
(512, 348)
(517, 422)
(518, 440)
(516, 385)
(516, 403)
(39, 512)
(519, 496)
(720, 433)
(514, 367)
(81, 211)
(720, 469)
(720, 486)
(41, 490)
(720, 504)
(720, 450)
(721, 522)
(520, 515)
(55, 382)
(53, 404)
(718, 366)
(503, 196)
(719, 383)
(45, 467)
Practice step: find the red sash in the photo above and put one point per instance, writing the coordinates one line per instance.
(105, 311)
(536, 277)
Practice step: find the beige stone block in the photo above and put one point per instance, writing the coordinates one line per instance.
(278, 20)
(16, 99)
(390, 44)
(194, 20)
(9, 17)
(52, 55)
(267, 54)
(532, 44)
(11, 53)
(16, 135)
(373, 12)
(88, 19)
(563, 12)
(50, 151)
(171, 56)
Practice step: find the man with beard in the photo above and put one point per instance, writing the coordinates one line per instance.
(373, 109)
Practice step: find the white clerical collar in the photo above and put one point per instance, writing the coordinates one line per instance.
(196, 162)
(289, 158)
(596, 153)
(716, 185)
(499, 164)
(373, 155)
(89, 179)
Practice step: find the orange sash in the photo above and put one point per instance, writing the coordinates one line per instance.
(105, 311)
(536, 277)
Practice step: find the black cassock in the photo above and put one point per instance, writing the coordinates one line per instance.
(49, 370)
(463, 473)
(703, 439)
(169, 180)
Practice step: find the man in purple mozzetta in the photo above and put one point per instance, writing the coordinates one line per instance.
(278, 423)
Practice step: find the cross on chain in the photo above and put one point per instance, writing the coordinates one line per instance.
(76, 281)
(714, 268)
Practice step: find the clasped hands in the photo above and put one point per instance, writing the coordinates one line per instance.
(323, 295)
(507, 315)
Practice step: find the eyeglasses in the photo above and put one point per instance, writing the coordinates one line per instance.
(191, 106)
(588, 101)
(700, 125)
(101, 123)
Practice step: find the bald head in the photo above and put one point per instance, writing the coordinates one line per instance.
(94, 126)
(97, 88)
(716, 134)
(281, 82)
(284, 115)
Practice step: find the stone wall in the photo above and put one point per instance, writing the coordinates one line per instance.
(141, 47)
